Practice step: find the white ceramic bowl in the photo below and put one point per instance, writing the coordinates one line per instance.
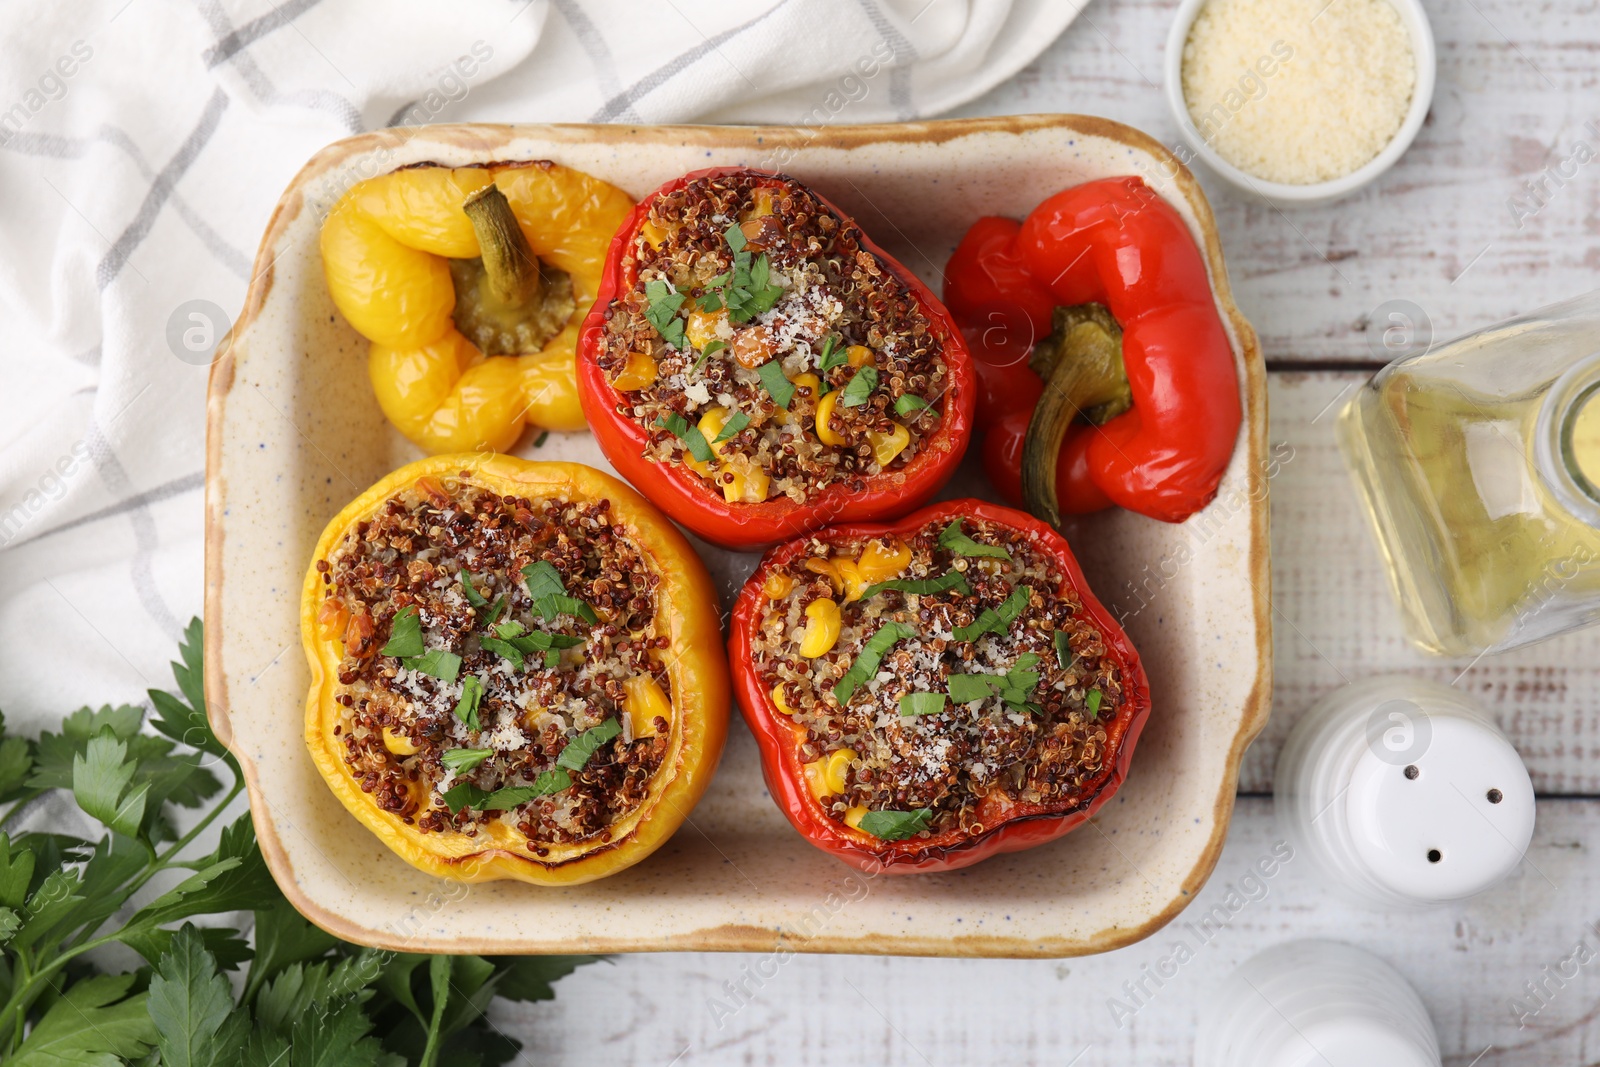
(1416, 23)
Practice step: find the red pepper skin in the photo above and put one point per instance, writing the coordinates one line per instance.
(1019, 826)
(1002, 462)
(695, 503)
(1117, 243)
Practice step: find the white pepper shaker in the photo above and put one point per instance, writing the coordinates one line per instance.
(1404, 793)
(1315, 1004)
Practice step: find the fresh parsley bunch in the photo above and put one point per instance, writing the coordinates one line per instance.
(301, 998)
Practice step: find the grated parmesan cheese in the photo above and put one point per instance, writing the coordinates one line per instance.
(1298, 91)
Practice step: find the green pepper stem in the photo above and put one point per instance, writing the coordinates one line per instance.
(508, 260)
(1081, 363)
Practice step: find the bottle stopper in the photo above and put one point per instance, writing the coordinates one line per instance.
(1404, 792)
(1315, 1004)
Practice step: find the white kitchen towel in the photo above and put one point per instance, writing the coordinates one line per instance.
(143, 144)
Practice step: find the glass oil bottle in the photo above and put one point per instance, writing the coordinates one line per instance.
(1478, 462)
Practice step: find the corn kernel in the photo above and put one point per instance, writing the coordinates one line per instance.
(882, 560)
(778, 585)
(850, 579)
(639, 372)
(397, 743)
(711, 424)
(826, 568)
(644, 701)
(859, 356)
(824, 413)
(778, 701)
(853, 816)
(886, 446)
(822, 628)
(701, 329)
(809, 381)
(836, 764)
(743, 482)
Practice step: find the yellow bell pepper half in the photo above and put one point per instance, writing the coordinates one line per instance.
(386, 252)
(694, 706)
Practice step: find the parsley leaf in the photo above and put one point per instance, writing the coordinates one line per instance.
(833, 354)
(996, 620)
(706, 353)
(952, 540)
(439, 663)
(578, 751)
(735, 238)
(462, 760)
(467, 706)
(692, 438)
(505, 650)
(746, 289)
(552, 606)
(663, 312)
(467, 795)
(867, 660)
(947, 582)
(550, 598)
(921, 703)
(859, 388)
(405, 634)
(736, 422)
(475, 598)
(1015, 686)
(1064, 653)
(909, 403)
(538, 442)
(896, 825)
(965, 688)
(778, 386)
(1092, 703)
(542, 578)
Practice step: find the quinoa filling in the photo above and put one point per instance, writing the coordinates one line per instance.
(763, 346)
(965, 681)
(500, 663)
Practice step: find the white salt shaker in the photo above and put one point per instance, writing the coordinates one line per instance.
(1315, 1004)
(1404, 792)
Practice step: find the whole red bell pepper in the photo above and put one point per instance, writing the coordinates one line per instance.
(692, 500)
(1010, 824)
(1134, 395)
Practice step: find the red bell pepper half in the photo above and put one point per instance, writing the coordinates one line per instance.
(1008, 823)
(1105, 374)
(696, 502)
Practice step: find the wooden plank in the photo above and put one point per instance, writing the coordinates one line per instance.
(1516, 89)
(1468, 961)
(1336, 621)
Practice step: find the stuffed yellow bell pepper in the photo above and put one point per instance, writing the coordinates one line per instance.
(516, 669)
(471, 284)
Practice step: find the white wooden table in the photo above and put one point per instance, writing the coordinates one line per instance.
(1517, 84)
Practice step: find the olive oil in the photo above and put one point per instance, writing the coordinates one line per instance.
(1479, 465)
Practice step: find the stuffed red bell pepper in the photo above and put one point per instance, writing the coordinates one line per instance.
(1131, 397)
(758, 368)
(933, 692)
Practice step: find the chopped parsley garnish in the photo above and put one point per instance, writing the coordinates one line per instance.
(1092, 703)
(497, 609)
(778, 386)
(513, 641)
(921, 703)
(467, 706)
(538, 442)
(965, 688)
(542, 578)
(663, 312)
(475, 598)
(896, 825)
(578, 751)
(859, 388)
(950, 580)
(736, 422)
(550, 607)
(439, 663)
(1015, 687)
(833, 354)
(909, 403)
(707, 352)
(692, 438)
(1064, 651)
(405, 634)
(871, 654)
(746, 289)
(504, 649)
(467, 795)
(996, 620)
(952, 540)
(462, 760)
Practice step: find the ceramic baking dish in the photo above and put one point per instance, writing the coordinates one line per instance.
(294, 433)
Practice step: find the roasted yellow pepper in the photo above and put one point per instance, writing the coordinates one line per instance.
(471, 284)
(694, 705)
